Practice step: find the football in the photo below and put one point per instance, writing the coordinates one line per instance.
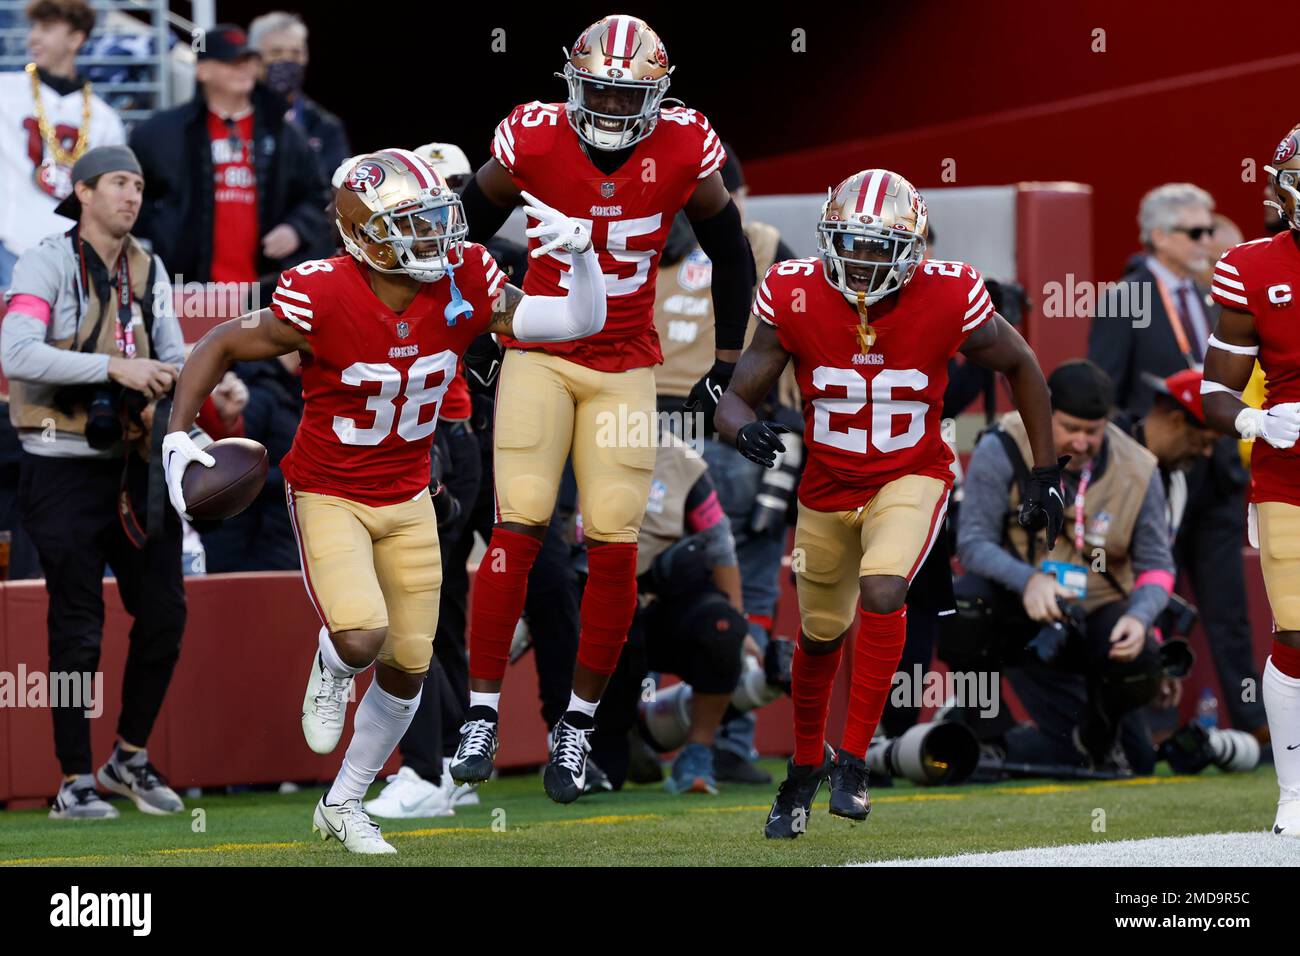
(229, 486)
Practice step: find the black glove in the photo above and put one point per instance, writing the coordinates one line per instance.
(707, 392)
(446, 509)
(1043, 506)
(760, 442)
(483, 363)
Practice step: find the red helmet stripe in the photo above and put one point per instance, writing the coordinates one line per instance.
(882, 186)
(424, 177)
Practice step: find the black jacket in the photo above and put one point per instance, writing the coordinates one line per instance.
(175, 154)
(325, 135)
(1126, 351)
(261, 538)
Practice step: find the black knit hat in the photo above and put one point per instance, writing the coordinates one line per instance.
(1082, 389)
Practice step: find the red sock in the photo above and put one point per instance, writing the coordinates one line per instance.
(811, 677)
(608, 605)
(876, 654)
(1286, 658)
(500, 586)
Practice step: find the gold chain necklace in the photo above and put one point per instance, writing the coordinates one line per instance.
(61, 155)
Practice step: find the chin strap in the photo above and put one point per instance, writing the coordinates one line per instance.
(866, 334)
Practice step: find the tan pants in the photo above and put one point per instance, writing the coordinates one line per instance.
(1279, 558)
(891, 535)
(548, 406)
(367, 568)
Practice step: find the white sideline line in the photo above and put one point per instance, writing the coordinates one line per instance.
(1210, 849)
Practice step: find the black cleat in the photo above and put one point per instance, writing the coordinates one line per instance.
(472, 762)
(788, 817)
(565, 777)
(849, 797)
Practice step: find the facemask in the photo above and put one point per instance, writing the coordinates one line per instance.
(285, 77)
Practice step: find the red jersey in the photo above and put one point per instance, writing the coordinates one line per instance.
(871, 417)
(375, 381)
(234, 193)
(1263, 278)
(629, 212)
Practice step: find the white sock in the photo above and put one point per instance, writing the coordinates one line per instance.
(377, 727)
(330, 655)
(1282, 704)
(587, 707)
(482, 699)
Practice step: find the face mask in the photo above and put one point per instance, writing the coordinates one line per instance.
(285, 77)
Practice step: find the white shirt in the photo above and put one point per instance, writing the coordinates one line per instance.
(26, 210)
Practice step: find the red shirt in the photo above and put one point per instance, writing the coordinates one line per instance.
(376, 381)
(629, 212)
(1263, 278)
(871, 417)
(234, 213)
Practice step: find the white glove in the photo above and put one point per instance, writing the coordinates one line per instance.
(1279, 426)
(178, 451)
(555, 229)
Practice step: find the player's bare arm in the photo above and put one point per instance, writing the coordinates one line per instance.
(997, 346)
(757, 372)
(1229, 362)
(719, 229)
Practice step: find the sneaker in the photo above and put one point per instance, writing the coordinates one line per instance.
(77, 800)
(731, 767)
(597, 779)
(134, 777)
(1113, 763)
(792, 807)
(409, 796)
(462, 794)
(472, 762)
(350, 825)
(565, 776)
(849, 797)
(1287, 822)
(693, 771)
(324, 706)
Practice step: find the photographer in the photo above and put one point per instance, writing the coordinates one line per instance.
(689, 620)
(89, 342)
(1072, 621)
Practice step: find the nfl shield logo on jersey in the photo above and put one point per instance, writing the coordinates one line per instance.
(696, 272)
(403, 329)
(606, 190)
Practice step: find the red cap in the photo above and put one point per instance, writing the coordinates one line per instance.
(1185, 388)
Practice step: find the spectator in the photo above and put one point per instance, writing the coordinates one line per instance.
(1226, 235)
(44, 128)
(280, 39)
(1071, 624)
(226, 169)
(1177, 231)
(684, 320)
(90, 360)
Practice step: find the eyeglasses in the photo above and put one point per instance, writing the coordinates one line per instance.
(1196, 233)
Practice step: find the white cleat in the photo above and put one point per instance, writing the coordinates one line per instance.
(350, 826)
(324, 706)
(1287, 822)
(409, 796)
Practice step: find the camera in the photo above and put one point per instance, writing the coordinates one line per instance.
(1051, 641)
(108, 409)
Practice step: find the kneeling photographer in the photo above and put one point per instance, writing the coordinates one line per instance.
(689, 622)
(89, 342)
(1071, 624)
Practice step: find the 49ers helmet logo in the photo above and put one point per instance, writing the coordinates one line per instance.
(363, 175)
(1286, 149)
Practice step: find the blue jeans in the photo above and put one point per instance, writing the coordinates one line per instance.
(7, 260)
(759, 556)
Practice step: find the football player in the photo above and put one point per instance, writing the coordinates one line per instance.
(870, 326)
(1258, 284)
(616, 158)
(381, 331)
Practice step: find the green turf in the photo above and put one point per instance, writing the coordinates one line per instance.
(645, 826)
